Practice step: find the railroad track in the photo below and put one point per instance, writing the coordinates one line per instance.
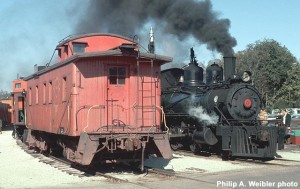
(59, 163)
(68, 167)
(150, 173)
(180, 175)
(191, 154)
(274, 162)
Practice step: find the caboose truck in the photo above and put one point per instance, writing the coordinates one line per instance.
(99, 103)
(233, 104)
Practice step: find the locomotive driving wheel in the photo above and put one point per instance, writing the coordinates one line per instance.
(194, 147)
(175, 145)
(227, 155)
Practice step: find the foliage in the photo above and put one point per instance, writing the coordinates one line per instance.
(4, 94)
(273, 71)
(290, 90)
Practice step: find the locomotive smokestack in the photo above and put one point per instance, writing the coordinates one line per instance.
(229, 66)
(151, 47)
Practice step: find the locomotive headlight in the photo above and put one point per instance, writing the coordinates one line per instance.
(247, 103)
(246, 77)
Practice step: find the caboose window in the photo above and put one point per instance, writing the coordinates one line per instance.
(117, 75)
(18, 85)
(30, 96)
(79, 47)
(64, 89)
(37, 94)
(50, 92)
(66, 49)
(44, 93)
(59, 53)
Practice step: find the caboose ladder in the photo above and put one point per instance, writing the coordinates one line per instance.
(146, 95)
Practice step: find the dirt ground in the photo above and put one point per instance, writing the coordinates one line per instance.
(21, 170)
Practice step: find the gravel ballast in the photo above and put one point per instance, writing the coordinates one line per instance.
(21, 170)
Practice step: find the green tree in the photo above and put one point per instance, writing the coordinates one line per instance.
(288, 95)
(4, 94)
(270, 64)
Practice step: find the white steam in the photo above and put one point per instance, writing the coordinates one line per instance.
(203, 116)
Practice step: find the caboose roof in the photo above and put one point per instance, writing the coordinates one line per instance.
(79, 36)
(160, 59)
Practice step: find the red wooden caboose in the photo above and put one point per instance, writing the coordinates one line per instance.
(18, 107)
(101, 99)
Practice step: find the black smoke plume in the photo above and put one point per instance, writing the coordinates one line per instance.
(181, 18)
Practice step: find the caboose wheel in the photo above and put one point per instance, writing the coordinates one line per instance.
(135, 165)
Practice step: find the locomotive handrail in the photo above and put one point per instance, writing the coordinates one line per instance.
(173, 104)
(222, 115)
(185, 92)
(180, 89)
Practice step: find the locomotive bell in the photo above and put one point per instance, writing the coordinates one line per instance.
(193, 74)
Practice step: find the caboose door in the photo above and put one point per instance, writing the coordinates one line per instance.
(117, 98)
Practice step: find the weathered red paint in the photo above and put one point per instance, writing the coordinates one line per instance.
(79, 97)
(94, 43)
(18, 102)
(109, 92)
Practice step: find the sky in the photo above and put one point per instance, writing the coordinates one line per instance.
(31, 29)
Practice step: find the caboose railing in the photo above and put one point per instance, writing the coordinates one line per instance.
(97, 118)
(89, 108)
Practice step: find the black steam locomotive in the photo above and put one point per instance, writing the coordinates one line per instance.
(217, 116)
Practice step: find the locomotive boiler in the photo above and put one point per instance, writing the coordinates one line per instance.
(216, 115)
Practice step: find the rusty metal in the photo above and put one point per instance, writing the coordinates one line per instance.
(163, 146)
(143, 156)
(86, 149)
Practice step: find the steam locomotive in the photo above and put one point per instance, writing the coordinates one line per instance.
(218, 115)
